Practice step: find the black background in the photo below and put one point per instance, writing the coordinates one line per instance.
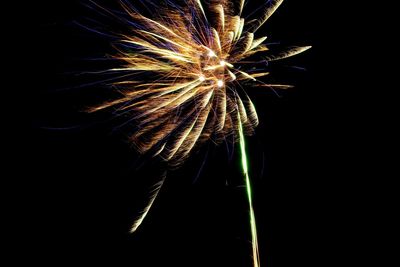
(83, 185)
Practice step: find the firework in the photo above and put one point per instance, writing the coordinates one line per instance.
(189, 65)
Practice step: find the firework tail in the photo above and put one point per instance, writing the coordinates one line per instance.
(253, 226)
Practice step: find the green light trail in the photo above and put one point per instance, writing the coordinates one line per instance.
(256, 257)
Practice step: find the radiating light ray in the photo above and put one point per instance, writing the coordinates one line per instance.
(241, 5)
(257, 42)
(292, 51)
(273, 6)
(200, 5)
(220, 9)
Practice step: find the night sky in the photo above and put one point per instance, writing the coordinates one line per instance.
(88, 182)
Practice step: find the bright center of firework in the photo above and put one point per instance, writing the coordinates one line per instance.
(211, 54)
(222, 63)
(202, 78)
(220, 83)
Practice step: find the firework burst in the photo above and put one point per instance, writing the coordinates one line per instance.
(190, 63)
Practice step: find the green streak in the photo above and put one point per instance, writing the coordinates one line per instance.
(256, 258)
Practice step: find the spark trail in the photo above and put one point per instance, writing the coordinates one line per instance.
(253, 225)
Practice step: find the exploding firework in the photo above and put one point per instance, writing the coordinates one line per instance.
(191, 66)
